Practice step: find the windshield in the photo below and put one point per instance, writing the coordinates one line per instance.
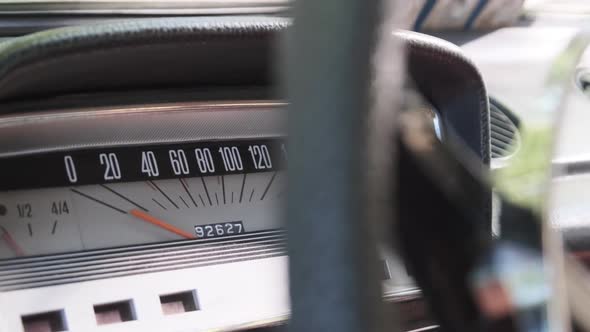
(559, 6)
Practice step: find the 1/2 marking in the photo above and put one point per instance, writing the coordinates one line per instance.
(24, 210)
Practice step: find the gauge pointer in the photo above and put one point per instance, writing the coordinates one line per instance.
(11, 243)
(162, 224)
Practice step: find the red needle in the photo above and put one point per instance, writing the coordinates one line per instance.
(11, 243)
(162, 224)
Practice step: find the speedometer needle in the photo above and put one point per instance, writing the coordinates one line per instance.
(11, 243)
(162, 224)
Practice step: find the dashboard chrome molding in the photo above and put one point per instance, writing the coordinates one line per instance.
(139, 124)
(100, 264)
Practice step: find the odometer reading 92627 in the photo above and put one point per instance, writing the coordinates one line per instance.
(98, 198)
(219, 229)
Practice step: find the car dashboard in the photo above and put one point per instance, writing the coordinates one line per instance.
(144, 167)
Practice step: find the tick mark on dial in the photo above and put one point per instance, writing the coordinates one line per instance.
(251, 194)
(97, 200)
(243, 184)
(124, 197)
(30, 229)
(185, 186)
(201, 198)
(162, 206)
(54, 227)
(182, 199)
(272, 179)
(223, 188)
(206, 191)
(149, 183)
(217, 199)
(164, 194)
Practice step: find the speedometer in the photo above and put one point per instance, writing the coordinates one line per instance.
(101, 198)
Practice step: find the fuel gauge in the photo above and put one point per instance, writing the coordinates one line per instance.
(34, 224)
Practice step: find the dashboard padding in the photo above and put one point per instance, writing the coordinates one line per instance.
(140, 54)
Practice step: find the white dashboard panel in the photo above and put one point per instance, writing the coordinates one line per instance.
(228, 295)
(231, 295)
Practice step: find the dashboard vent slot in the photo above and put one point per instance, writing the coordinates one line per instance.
(505, 135)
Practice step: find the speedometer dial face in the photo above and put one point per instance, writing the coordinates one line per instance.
(109, 215)
(115, 214)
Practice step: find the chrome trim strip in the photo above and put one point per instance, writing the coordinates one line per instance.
(427, 328)
(139, 124)
(137, 260)
(145, 248)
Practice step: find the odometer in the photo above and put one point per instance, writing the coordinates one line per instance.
(99, 198)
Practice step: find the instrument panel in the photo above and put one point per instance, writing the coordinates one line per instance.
(114, 197)
(131, 205)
